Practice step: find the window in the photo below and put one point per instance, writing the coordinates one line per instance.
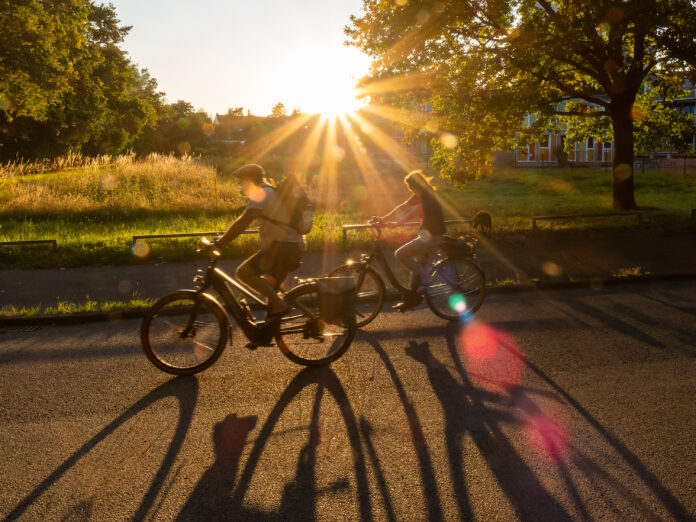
(608, 156)
(545, 148)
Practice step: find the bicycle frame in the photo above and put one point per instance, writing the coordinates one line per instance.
(260, 332)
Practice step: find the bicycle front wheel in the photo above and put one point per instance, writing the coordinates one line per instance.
(369, 291)
(184, 332)
(456, 290)
(304, 337)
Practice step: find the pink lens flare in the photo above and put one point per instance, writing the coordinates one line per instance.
(493, 360)
(548, 436)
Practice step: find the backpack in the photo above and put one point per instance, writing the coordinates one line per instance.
(297, 205)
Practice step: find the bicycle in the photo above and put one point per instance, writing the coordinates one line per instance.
(456, 288)
(186, 332)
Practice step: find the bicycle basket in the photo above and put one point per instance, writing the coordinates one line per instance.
(460, 247)
(337, 299)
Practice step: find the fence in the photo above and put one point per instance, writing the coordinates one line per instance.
(347, 228)
(52, 242)
(184, 234)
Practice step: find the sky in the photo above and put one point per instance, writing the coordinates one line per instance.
(218, 54)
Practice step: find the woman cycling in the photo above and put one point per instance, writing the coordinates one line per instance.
(412, 255)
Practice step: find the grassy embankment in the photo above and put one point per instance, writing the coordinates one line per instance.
(93, 207)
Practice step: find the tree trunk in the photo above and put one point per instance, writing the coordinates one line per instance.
(622, 123)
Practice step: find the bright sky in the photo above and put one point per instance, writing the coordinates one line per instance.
(247, 53)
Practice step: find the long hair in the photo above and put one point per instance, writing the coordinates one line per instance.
(417, 182)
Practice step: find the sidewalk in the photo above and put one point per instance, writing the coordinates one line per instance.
(529, 258)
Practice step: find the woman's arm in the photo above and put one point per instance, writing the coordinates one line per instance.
(408, 207)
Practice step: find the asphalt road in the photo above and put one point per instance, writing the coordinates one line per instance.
(553, 406)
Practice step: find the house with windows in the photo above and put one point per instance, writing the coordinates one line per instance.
(591, 151)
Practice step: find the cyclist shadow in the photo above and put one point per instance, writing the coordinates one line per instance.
(482, 414)
(185, 390)
(217, 495)
(486, 416)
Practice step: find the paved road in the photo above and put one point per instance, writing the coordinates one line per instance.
(570, 405)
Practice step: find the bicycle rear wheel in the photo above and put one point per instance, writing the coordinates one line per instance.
(184, 332)
(456, 290)
(369, 293)
(304, 337)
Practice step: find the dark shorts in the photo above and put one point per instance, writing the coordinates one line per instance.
(277, 260)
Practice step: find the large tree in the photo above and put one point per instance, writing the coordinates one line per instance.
(65, 82)
(486, 64)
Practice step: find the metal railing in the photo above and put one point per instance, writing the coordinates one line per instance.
(52, 242)
(347, 228)
(579, 216)
(183, 234)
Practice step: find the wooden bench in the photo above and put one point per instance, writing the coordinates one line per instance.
(583, 216)
(52, 242)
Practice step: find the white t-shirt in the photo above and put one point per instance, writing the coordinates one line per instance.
(266, 200)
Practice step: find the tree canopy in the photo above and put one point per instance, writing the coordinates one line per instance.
(67, 85)
(485, 65)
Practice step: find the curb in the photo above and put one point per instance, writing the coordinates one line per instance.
(595, 284)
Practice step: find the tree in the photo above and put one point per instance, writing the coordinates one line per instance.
(236, 112)
(66, 83)
(279, 111)
(485, 65)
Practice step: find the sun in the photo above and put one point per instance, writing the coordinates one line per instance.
(331, 95)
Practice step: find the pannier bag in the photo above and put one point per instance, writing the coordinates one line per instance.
(337, 299)
(459, 247)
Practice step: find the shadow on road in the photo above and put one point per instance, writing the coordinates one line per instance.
(483, 423)
(185, 390)
(217, 496)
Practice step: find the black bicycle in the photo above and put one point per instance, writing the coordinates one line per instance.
(455, 289)
(185, 332)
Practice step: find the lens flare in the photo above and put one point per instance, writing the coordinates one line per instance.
(184, 147)
(457, 302)
(141, 248)
(449, 141)
(547, 436)
(493, 360)
(257, 195)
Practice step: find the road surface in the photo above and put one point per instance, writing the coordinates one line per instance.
(569, 405)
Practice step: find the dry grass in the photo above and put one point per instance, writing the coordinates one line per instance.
(119, 186)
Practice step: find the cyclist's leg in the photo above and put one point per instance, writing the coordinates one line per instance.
(251, 272)
(411, 255)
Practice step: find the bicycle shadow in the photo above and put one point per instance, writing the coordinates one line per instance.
(218, 495)
(571, 463)
(185, 390)
(481, 414)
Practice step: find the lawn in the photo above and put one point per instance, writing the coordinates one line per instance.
(93, 207)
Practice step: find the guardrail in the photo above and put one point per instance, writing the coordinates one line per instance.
(52, 242)
(346, 228)
(185, 234)
(574, 216)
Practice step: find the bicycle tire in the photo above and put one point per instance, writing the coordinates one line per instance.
(456, 296)
(369, 297)
(163, 339)
(302, 334)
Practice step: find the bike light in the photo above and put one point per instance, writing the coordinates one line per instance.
(349, 262)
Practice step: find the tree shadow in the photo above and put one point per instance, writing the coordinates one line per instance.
(218, 496)
(184, 389)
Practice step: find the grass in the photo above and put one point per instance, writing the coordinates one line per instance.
(93, 206)
(69, 307)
